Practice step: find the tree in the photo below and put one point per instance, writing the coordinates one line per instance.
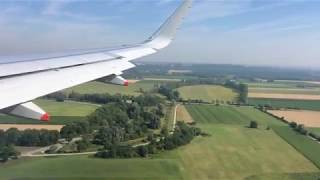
(293, 124)
(12, 136)
(143, 151)
(253, 124)
(82, 145)
(243, 93)
(7, 152)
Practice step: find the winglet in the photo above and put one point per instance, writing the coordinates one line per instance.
(166, 33)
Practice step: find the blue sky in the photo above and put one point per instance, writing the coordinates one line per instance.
(249, 32)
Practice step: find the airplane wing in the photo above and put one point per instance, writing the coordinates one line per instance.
(23, 81)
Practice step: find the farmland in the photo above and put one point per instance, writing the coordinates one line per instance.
(100, 87)
(284, 91)
(183, 114)
(284, 96)
(208, 93)
(231, 151)
(287, 103)
(308, 118)
(284, 84)
(82, 167)
(229, 115)
(303, 144)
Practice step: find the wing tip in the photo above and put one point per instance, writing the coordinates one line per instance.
(167, 31)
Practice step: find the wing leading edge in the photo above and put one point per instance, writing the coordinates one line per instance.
(21, 82)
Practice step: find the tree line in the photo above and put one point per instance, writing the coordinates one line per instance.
(93, 98)
(241, 88)
(29, 137)
(182, 135)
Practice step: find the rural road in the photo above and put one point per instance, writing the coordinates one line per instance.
(174, 119)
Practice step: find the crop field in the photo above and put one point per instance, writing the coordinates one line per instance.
(61, 113)
(284, 96)
(287, 103)
(207, 93)
(303, 144)
(99, 87)
(271, 85)
(317, 83)
(183, 114)
(285, 91)
(284, 84)
(235, 152)
(231, 151)
(83, 167)
(229, 115)
(308, 118)
(67, 108)
(316, 130)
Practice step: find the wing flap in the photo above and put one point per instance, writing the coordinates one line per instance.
(16, 68)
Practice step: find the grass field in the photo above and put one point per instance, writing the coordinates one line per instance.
(284, 91)
(316, 130)
(207, 93)
(232, 151)
(82, 167)
(283, 84)
(61, 112)
(99, 87)
(229, 115)
(287, 103)
(271, 85)
(305, 145)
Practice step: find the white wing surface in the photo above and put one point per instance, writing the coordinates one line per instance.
(23, 81)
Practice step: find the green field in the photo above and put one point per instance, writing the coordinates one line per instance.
(315, 130)
(207, 93)
(60, 112)
(271, 85)
(282, 84)
(99, 87)
(232, 151)
(82, 167)
(230, 115)
(305, 145)
(236, 152)
(287, 103)
(284, 91)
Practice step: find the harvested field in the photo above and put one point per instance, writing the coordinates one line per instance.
(30, 126)
(183, 115)
(284, 96)
(308, 118)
